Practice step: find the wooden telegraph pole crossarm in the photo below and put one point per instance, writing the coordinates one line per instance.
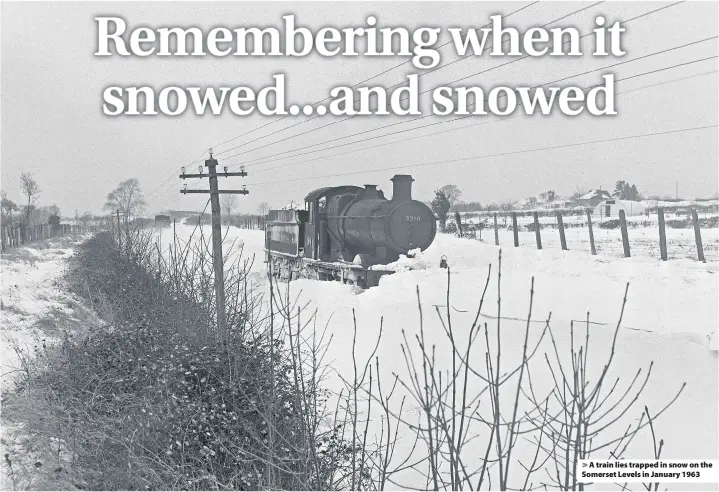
(203, 175)
(229, 192)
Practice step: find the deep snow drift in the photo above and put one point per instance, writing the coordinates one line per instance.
(671, 311)
(669, 319)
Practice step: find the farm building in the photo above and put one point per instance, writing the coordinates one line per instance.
(593, 198)
(611, 208)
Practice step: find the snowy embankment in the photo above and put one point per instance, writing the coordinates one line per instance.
(36, 311)
(31, 299)
(669, 319)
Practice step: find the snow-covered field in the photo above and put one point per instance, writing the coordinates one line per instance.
(643, 237)
(670, 319)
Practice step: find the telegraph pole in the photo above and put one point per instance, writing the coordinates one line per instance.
(119, 231)
(217, 259)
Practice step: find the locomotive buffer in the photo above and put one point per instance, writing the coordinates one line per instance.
(214, 192)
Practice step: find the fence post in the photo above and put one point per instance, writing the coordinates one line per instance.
(591, 232)
(496, 233)
(537, 234)
(514, 229)
(662, 235)
(562, 238)
(625, 235)
(698, 236)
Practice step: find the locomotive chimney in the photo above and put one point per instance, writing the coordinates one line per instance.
(402, 187)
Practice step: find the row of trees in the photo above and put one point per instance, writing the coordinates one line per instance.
(27, 212)
(128, 198)
(31, 190)
(228, 204)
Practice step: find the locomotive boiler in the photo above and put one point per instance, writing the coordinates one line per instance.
(348, 233)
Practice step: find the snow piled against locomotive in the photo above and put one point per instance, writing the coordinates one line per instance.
(347, 233)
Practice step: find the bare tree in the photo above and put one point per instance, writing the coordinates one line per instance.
(262, 208)
(126, 198)
(228, 202)
(31, 190)
(86, 218)
(440, 206)
(452, 192)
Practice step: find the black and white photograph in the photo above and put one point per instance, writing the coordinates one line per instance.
(359, 245)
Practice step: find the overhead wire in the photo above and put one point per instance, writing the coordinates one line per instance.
(198, 159)
(574, 12)
(255, 162)
(486, 156)
(428, 115)
(504, 16)
(682, 64)
(502, 119)
(463, 78)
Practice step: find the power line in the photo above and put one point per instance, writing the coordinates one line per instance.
(171, 175)
(671, 81)
(249, 162)
(353, 86)
(627, 21)
(487, 156)
(470, 115)
(199, 159)
(414, 119)
(420, 117)
(396, 85)
(293, 163)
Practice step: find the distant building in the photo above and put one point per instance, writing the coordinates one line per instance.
(593, 198)
(558, 204)
(162, 220)
(611, 208)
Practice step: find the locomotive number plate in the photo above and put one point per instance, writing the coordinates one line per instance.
(412, 218)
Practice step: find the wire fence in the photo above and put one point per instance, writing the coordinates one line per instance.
(668, 236)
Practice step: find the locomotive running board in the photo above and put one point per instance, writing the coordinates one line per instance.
(346, 272)
(341, 271)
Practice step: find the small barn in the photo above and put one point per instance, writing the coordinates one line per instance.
(593, 198)
(611, 208)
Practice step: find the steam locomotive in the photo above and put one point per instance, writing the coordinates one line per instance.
(348, 233)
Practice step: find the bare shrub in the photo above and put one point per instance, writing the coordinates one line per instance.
(157, 398)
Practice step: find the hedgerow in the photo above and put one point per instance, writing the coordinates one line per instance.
(156, 398)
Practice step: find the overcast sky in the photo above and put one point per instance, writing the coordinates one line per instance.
(53, 126)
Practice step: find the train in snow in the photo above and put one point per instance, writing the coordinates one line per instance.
(347, 233)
